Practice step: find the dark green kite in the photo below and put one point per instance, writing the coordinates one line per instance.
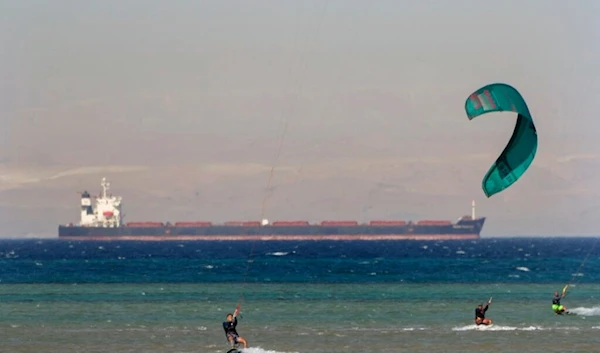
(520, 151)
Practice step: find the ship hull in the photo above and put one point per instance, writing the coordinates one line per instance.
(361, 237)
(463, 229)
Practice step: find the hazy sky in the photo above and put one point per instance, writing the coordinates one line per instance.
(123, 82)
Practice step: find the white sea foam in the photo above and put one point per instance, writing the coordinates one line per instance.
(594, 311)
(261, 350)
(496, 328)
(278, 253)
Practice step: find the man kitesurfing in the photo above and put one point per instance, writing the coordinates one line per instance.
(480, 314)
(230, 332)
(557, 307)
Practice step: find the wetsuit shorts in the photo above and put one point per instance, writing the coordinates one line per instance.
(234, 336)
(557, 307)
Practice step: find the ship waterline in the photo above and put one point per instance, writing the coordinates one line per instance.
(104, 223)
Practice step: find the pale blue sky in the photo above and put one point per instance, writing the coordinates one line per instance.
(67, 51)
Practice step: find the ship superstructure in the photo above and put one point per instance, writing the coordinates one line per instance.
(103, 221)
(105, 213)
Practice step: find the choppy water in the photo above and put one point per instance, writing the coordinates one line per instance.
(58, 296)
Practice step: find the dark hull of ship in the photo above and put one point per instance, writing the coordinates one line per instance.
(463, 229)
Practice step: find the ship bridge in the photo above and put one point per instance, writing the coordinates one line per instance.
(106, 211)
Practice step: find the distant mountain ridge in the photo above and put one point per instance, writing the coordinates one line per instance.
(559, 198)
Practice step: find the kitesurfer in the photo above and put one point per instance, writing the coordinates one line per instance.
(480, 315)
(232, 336)
(556, 306)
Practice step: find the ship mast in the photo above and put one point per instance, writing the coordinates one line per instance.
(473, 210)
(105, 186)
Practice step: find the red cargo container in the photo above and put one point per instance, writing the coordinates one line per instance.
(193, 224)
(387, 223)
(339, 223)
(145, 224)
(290, 223)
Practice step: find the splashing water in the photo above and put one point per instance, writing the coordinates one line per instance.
(593, 311)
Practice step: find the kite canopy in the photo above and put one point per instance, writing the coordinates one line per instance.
(520, 150)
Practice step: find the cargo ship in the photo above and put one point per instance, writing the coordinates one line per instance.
(103, 221)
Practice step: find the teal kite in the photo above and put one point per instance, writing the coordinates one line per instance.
(520, 151)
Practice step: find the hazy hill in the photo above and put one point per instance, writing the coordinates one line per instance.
(557, 198)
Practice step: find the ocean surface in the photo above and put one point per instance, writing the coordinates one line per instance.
(388, 296)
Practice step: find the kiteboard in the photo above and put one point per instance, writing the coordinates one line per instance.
(235, 349)
(564, 313)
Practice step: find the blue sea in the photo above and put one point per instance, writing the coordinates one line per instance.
(327, 296)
